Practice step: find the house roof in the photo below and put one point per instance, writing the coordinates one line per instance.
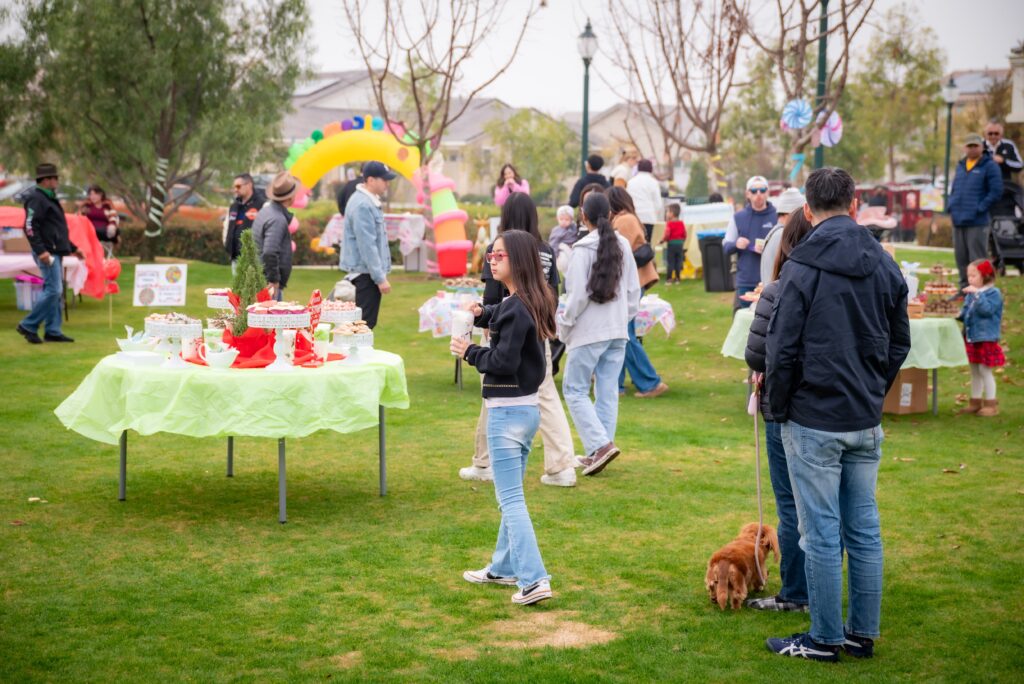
(975, 82)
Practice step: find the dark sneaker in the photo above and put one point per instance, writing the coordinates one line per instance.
(858, 646)
(32, 337)
(776, 604)
(600, 458)
(59, 337)
(484, 576)
(803, 646)
(536, 592)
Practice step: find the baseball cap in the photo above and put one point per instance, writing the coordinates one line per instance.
(757, 182)
(789, 201)
(376, 169)
(973, 139)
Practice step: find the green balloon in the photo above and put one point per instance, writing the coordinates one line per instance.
(317, 135)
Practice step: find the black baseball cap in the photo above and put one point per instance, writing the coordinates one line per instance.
(376, 169)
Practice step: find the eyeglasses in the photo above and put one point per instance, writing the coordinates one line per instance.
(495, 257)
(757, 191)
(993, 134)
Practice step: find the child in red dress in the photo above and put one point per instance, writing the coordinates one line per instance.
(982, 316)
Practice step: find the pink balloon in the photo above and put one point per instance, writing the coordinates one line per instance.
(293, 245)
(293, 227)
(301, 199)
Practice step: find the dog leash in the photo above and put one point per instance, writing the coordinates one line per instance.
(756, 403)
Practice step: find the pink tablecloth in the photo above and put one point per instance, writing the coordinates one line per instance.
(75, 272)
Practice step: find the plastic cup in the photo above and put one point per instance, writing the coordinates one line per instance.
(462, 326)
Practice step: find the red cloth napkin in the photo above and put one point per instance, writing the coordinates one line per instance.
(256, 350)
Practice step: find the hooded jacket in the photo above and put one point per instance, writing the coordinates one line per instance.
(45, 225)
(755, 351)
(982, 315)
(974, 192)
(753, 225)
(839, 330)
(274, 242)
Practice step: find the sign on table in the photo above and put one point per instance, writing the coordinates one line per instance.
(160, 285)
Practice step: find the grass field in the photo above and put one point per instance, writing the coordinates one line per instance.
(193, 579)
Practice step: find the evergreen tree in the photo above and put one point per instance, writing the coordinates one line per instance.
(248, 280)
(698, 184)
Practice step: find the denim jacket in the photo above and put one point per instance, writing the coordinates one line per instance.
(364, 247)
(982, 315)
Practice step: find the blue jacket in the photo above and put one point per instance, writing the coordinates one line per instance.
(753, 225)
(982, 315)
(839, 332)
(364, 248)
(974, 192)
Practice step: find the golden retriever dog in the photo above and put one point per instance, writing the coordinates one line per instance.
(732, 568)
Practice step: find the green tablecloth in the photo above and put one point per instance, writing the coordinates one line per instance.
(934, 342)
(202, 402)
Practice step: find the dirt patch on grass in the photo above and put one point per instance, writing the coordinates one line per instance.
(557, 629)
(348, 660)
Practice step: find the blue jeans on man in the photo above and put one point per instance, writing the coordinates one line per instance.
(46, 310)
(791, 564)
(600, 361)
(639, 365)
(834, 476)
(510, 433)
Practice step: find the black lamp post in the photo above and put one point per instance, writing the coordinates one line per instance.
(587, 46)
(949, 95)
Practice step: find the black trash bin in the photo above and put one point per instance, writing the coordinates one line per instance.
(717, 271)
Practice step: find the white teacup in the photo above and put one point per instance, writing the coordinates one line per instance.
(218, 359)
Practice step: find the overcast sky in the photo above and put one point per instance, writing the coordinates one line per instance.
(548, 74)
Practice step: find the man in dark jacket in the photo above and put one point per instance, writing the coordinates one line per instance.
(347, 189)
(836, 341)
(745, 236)
(593, 166)
(977, 185)
(270, 231)
(1003, 151)
(47, 233)
(242, 212)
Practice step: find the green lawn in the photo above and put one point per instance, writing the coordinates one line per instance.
(193, 578)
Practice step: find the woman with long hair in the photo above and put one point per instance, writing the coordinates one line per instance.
(520, 213)
(646, 380)
(602, 297)
(512, 375)
(101, 214)
(509, 181)
(793, 593)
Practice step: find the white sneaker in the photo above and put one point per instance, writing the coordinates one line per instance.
(563, 478)
(538, 591)
(484, 576)
(474, 473)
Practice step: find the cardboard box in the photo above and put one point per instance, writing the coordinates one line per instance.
(909, 394)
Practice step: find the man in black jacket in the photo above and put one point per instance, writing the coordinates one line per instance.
(593, 166)
(836, 341)
(47, 233)
(248, 202)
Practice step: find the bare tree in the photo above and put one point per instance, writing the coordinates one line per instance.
(789, 37)
(679, 64)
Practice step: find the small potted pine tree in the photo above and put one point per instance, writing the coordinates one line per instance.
(248, 281)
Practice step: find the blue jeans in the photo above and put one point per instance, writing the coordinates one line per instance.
(510, 432)
(834, 476)
(791, 566)
(47, 307)
(595, 421)
(645, 378)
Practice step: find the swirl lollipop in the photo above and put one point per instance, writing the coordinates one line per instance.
(796, 114)
(832, 131)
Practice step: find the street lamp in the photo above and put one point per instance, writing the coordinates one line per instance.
(587, 46)
(949, 94)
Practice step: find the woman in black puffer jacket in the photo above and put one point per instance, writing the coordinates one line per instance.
(793, 595)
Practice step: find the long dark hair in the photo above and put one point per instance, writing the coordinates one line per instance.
(99, 191)
(620, 201)
(528, 274)
(603, 284)
(796, 229)
(520, 213)
(501, 175)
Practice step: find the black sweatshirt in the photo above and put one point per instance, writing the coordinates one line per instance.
(514, 364)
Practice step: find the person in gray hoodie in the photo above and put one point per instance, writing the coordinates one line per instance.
(270, 231)
(602, 296)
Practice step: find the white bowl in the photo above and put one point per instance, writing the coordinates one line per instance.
(222, 359)
(127, 345)
(141, 358)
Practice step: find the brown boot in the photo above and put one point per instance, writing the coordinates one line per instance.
(972, 407)
(989, 409)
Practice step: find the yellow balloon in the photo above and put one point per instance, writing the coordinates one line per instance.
(352, 146)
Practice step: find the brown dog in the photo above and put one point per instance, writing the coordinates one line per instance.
(732, 568)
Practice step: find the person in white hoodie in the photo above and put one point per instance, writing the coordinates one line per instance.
(646, 193)
(602, 296)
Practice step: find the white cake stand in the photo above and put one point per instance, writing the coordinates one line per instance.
(277, 323)
(171, 336)
(218, 302)
(355, 344)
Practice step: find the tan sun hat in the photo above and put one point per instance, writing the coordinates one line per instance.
(283, 187)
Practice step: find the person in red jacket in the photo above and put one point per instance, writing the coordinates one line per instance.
(675, 236)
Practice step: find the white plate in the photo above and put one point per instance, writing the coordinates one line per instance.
(140, 358)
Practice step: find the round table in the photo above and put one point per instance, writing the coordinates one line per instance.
(934, 343)
(199, 401)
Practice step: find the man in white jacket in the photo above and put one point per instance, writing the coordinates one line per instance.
(646, 193)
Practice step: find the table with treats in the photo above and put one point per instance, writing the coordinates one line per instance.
(148, 391)
(437, 312)
(935, 342)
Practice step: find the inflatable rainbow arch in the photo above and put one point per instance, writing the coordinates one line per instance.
(370, 138)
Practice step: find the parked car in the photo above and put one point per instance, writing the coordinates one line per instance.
(195, 207)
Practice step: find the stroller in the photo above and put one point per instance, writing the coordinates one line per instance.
(1006, 242)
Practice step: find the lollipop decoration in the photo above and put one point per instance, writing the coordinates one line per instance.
(832, 131)
(796, 114)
